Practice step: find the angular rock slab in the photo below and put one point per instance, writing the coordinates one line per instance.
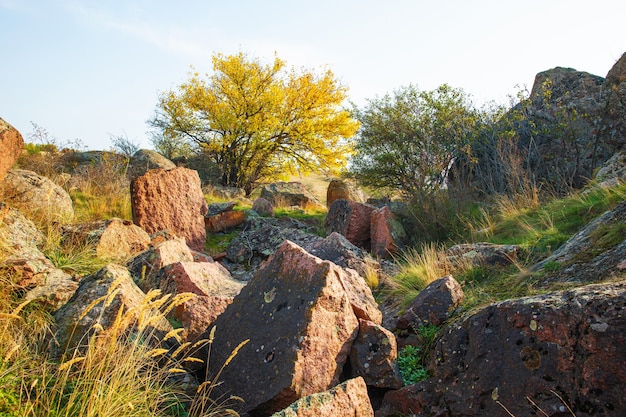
(170, 199)
(300, 325)
(345, 400)
(374, 356)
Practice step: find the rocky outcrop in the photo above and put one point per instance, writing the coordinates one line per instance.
(170, 199)
(345, 400)
(373, 356)
(350, 219)
(37, 195)
(114, 239)
(572, 123)
(300, 325)
(286, 194)
(592, 254)
(344, 189)
(94, 307)
(11, 143)
(523, 354)
(433, 305)
(144, 160)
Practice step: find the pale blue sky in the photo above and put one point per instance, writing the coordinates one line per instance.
(88, 69)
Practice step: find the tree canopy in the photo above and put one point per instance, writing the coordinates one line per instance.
(408, 140)
(257, 121)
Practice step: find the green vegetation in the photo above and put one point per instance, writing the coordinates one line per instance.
(412, 360)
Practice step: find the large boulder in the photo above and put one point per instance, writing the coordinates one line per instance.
(528, 354)
(11, 143)
(350, 219)
(36, 195)
(345, 400)
(300, 326)
(97, 300)
(144, 160)
(345, 189)
(285, 194)
(28, 267)
(114, 239)
(170, 199)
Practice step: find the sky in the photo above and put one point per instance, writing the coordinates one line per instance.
(89, 70)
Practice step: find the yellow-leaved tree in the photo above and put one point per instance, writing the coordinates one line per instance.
(257, 121)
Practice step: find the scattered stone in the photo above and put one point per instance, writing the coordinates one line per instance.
(345, 400)
(300, 327)
(433, 305)
(76, 320)
(172, 200)
(344, 189)
(144, 160)
(481, 254)
(259, 239)
(337, 249)
(374, 356)
(11, 143)
(146, 266)
(263, 207)
(386, 233)
(224, 221)
(286, 194)
(214, 289)
(114, 239)
(350, 219)
(37, 195)
(197, 315)
(201, 278)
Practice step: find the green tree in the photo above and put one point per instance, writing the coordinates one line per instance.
(258, 121)
(409, 140)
